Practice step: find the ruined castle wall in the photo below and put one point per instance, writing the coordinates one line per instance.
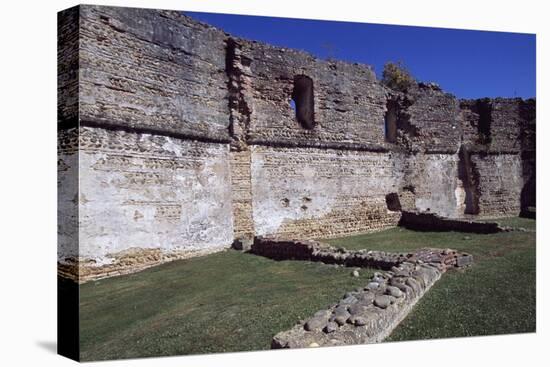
(150, 167)
(492, 125)
(177, 138)
(428, 121)
(433, 181)
(67, 132)
(328, 180)
(67, 193)
(500, 183)
(152, 70)
(528, 156)
(349, 104)
(428, 129)
(149, 192)
(309, 192)
(68, 29)
(500, 135)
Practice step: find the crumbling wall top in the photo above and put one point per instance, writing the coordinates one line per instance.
(155, 71)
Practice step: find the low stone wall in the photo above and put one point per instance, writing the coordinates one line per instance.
(288, 249)
(435, 223)
(309, 250)
(124, 262)
(367, 315)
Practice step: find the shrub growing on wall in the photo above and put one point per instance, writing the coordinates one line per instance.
(397, 77)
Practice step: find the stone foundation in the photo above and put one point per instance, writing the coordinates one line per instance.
(434, 223)
(309, 250)
(366, 315)
(369, 314)
(175, 135)
(283, 249)
(124, 262)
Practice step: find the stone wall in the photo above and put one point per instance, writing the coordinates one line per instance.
(67, 136)
(176, 138)
(67, 193)
(148, 191)
(499, 136)
(370, 313)
(527, 112)
(434, 223)
(311, 192)
(349, 104)
(366, 315)
(309, 250)
(148, 171)
(500, 183)
(152, 70)
(439, 193)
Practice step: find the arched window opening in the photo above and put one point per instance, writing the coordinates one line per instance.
(302, 101)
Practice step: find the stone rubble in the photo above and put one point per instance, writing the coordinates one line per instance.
(368, 314)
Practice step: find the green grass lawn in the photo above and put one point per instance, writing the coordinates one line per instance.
(528, 224)
(494, 296)
(229, 301)
(232, 301)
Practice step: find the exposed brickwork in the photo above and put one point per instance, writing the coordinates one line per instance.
(428, 120)
(310, 192)
(349, 103)
(528, 156)
(153, 70)
(500, 183)
(188, 141)
(241, 194)
(68, 60)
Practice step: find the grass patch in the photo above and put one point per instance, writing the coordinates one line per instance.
(231, 301)
(494, 296)
(223, 302)
(515, 222)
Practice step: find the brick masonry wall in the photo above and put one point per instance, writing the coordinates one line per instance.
(428, 120)
(67, 193)
(188, 140)
(310, 192)
(68, 67)
(152, 69)
(154, 197)
(241, 194)
(500, 183)
(349, 104)
(440, 192)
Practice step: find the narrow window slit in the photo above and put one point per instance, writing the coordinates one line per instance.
(390, 121)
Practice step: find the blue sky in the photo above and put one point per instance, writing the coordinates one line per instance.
(469, 64)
